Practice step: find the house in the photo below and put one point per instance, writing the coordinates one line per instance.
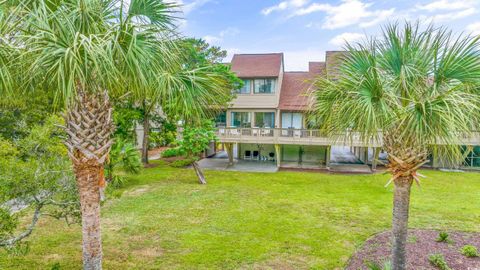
(267, 121)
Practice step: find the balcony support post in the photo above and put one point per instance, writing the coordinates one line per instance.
(376, 154)
(229, 147)
(278, 154)
(328, 152)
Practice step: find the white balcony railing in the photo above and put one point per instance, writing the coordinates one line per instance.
(289, 136)
(308, 137)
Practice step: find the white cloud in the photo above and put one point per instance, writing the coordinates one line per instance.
(474, 28)
(450, 16)
(440, 5)
(341, 39)
(216, 39)
(348, 12)
(191, 6)
(284, 5)
(447, 10)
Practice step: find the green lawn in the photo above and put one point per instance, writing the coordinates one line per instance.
(286, 220)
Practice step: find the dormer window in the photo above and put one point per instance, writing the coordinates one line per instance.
(264, 86)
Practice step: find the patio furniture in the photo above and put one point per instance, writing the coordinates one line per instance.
(248, 154)
(255, 155)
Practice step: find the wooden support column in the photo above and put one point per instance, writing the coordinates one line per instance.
(435, 160)
(278, 154)
(328, 152)
(229, 147)
(376, 154)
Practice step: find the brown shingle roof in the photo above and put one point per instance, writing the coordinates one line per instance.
(257, 65)
(296, 87)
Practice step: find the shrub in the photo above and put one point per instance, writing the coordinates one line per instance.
(469, 251)
(438, 261)
(171, 152)
(443, 237)
(124, 158)
(376, 266)
(182, 163)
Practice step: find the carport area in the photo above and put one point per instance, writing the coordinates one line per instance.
(219, 162)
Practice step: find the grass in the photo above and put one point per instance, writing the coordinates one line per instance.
(286, 220)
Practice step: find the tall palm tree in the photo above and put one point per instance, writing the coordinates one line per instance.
(419, 88)
(87, 50)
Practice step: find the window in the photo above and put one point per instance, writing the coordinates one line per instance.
(221, 119)
(292, 120)
(264, 86)
(265, 119)
(240, 119)
(473, 157)
(245, 89)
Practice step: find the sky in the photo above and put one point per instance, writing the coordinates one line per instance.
(304, 29)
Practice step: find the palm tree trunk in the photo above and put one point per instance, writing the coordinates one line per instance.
(146, 134)
(401, 201)
(88, 177)
(89, 126)
(198, 171)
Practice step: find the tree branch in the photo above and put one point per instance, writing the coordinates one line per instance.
(27, 232)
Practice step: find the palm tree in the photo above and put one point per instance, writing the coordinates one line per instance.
(87, 50)
(419, 88)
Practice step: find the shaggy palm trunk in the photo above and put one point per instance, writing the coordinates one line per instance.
(89, 127)
(199, 172)
(401, 202)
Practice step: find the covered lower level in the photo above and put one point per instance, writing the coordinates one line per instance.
(300, 156)
(333, 157)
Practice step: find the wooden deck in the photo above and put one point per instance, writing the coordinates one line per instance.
(308, 137)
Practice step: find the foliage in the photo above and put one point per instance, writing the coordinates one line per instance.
(36, 173)
(126, 116)
(416, 85)
(470, 251)
(199, 53)
(172, 152)
(443, 237)
(124, 158)
(180, 163)
(438, 261)
(166, 135)
(27, 110)
(196, 139)
(376, 266)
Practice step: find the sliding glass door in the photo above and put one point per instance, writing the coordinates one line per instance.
(240, 120)
(265, 119)
(292, 120)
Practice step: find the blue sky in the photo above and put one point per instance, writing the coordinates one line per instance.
(305, 29)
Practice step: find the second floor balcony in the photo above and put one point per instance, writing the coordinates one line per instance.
(308, 137)
(289, 136)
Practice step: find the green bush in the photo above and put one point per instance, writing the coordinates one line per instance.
(172, 152)
(443, 237)
(376, 266)
(469, 251)
(438, 261)
(182, 163)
